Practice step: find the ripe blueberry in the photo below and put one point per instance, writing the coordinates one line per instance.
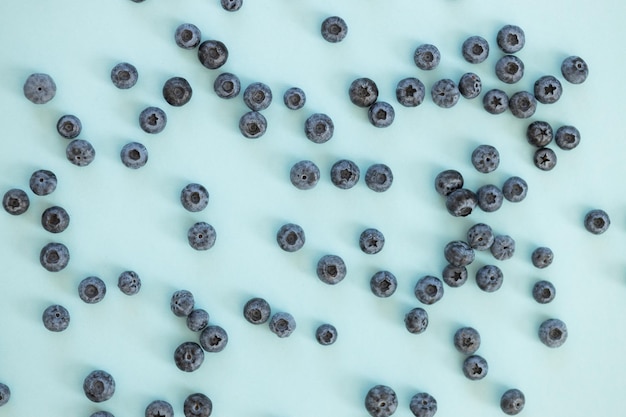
(423, 405)
(304, 175)
(319, 128)
(378, 177)
(134, 155)
(129, 282)
(213, 339)
(381, 114)
(509, 69)
(543, 292)
(475, 49)
(282, 324)
(383, 284)
(371, 241)
(177, 91)
(227, 85)
(503, 247)
(194, 197)
(152, 120)
(92, 290)
(334, 29)
(427, 57)
(252, 125)
(124, 75)
(257, 310)
(187, 36)
(459, 253)
(212, 54)
(512, 401)
(198, 404)
(542, 257)
(515, 189)
(188, 356)
(294, 98)
(475, 367)
(182, 303)
(574, 69)
(381, 401)
(331, 269)
(429, 289)
(410, 92)
(470, 85)
(467, 340)
(553, 333)
(344, 174)
(548, 89)
(495, 101)
(539, 133)
(197, 320)
(290, 237)
(510, 39)
(326, 334)
(201, 236)
(363, 92)
(454, 276)
(597, 221)
(445, 93)
(159, 408)
(54, 256)
(80, 152)
(567, 137)
(480, 236)
(56, 318)
(490, 198)
(99, 386)
(461, 202)
(448, 181)
(15, 201)
(485, 158)
(231, 5)
(544, 159)
(489, 278)
(257, 96)
(43, 182)
(69, 126)
(416, 320)
(39, 88)
(522, 104)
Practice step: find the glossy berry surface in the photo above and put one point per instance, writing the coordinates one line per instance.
(331, 269)
(459, 253)
(461, 202)
(290, 237)
(282, 324)
(445, 93)
(201, 236)
(423, 405)
(43, 182)
(511, 39)
(124, 75)
(39, 88)
(15, 201)
(182, 303)
(129, 282)
(56, 318)
(257, 310)
(99, 386)
(363, 92)
(345, 174)
(553, 333)
(410, 92)
(381, 114)
(574, 69)
(545, 159)
(567, 137)
(597, 221)
(539, 133)
(187, 36)
(381, 401)
(509, 69)
(69, 126)
(371, 241)
(543, 292)
(475, 367)
(503, 247)
(489, 278)
(227, 85)
(466, 340)
(448, 181)
(512, 402)
(197, 405)
(257, 96)
(80, 152)
(378, 177)
(304, 175)
(152, 120)
(428, 289)
(213, 339)
(194, 197)
(177, 91)
(416, 320)
(134, 155)
(334, 29)
(427, 57)
(212, 54)
(326, 334)
(383, 284)
(319, 128)
(54, 256)
(475, 49)
(188, 356)
(92, 290)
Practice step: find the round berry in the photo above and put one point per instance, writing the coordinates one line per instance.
(512, 402)
(257, 96)
(427, 57)
(227, 85)
(480, 236)
(410, 92)
(459, 253)
(326, 334)
(467, 340)
(39, 88)
(188, 356)
(470, 85)
(475, 367)
(429, 289)
(319, 128)
(252, 125)
(423, 405)
(294, 98)
(448, 181)
(461, 202)
(99, 386)
(290, 237)
(416, 320)
(539, 133)
(548, 89)
(495, 101)
(282, 324)
(331, 269)
(542, 257)
(54, 256)
(198, 405)
(454, 276)
(334, 29)
(56, 318)
(503, 247)
(475, 49)
(212, 54)
(80, 152)
(129, 282)
(182, 303)
(304, 175)
(574, 69)
(124, 75)
(489, 278)
(567, 137)
(15, 201)
(381, 114)
(69, 126)
(543, 292)
(177, 91)
(187, 36)
(378, 177)
(197, 320)
(201, 236)
(544, 159)
(257, 310)
(515, 189)
(134, 155)
(510, 39)
(371, 241)
(485, 158)
(344, 174)
(363, 92)
(383, 284)
(43, 182)
(213, 339)
(553, 333)
(597, 221)
(509, 69)
(152, 120)
(445, 93)
(194, 197)
(522, 104)
(381, 401)
(92, 290)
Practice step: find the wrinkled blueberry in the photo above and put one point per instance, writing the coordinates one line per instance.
(480, 236)
(470, 85)
(423, 405)
(197, 320)
(542, 257)
(485, 158)
(231, 5)
(503, 247)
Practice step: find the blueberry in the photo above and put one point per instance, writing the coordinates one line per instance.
(105, 413)
(159, 408)
(458, 253)
(54, 256)
(467, 340)
(187, 36)
(197, 320)
(503, 247)
(213, 339)
(470, 85)
(427, 57)
(92, 290)
(378, 177)
(69, 126)
(290, 237)
(512, 401)
(543, 292)
(574, 69)
(194, 197)
(124, 75)
(480, 236)
(257, 96)
(475, 367)
(509, 69)
(495, 101)
(548, 89)
(331, 269)
(448, 181)
(201, 236)
(381, 114)
(43, 182)
(410, 92)
(383, 284)
(227, 85)
(152, 120)
(515, 189)
(257, 310)
(344, 174)
(334, 29)
(429, 289)
(485, 158)
(490, 198)
(416, 320)
(56, 318)
(15, 201)
(539, 133)
(177, 91)
(544, 159)
(80, 152)
(198, 404)
(461, 202)
(542, 257)
(5, 394)
(231, 5)
(188, 356)
(304, 175)
(489, 278)
(445, 93)
(134, 155)
(553, 333)
(597, 221)
(510, 39)
(182, 303)
(454, 276)
(475, 49)
(212, 54)
(423, 405)
(99, 386)
(252, 125)
(371, 241)
(39, 88)
(567, 137)
(282, 324)
(319, 128)
(522, 104)
(363, 92)
(294, 98)
(326, 334)
(129, 282)
(381, 401)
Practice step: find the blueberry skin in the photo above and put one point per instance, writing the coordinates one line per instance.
(54, 256)
(381, 401)
(567, 137)
(257, 310)
(467, 340)
(39, 88)
(490, 198)
(544, 159)
(416, 320)
(480, 236)
(152, 120)
(80, 152)
(92, 290)
(542, 257)
(459, 253)
(129, 282)
(212, 54)
(194, 197)
(515, 189)
(410, 92)
(423, 405)
(124, 75)
(257, 96)
(503, 247)
(445, 93)
(429, 290)
(522, 104)
(182, 303)
(5, 394)
(188, 356)
(381, 114)
(489, 278)
(319, 128)
(495, 101)
(371, 241)
(539, 133)
(69, 126)
(510, 39)
(187, 36)
(252, 125)
(201, 236)
(475, 367)
(383, 284)
(197, 405)
(475, 49)
(448, 181)
(512, 401)
(15, 201)
(470, 85)
(231, 5)
(227, 85)
(378, 177)
(427, 57)
(509, 69)
(177, 91)
(42, 182)
(290, 237)
(331, 269)
(552, 333)
(548, 89)
(134, 155)
(543, 292)
(197, 320)
(344, 174)
(56, 318)
(363, 92)
(597, 221)
(454, 276)
(105, 413)
(461, 202)
(485, 158)
(294, 98)
(282, 324)
(159, 408)
(334, 29)
(99, 386)
(574, 69)
(304, 175)
(213, 339)
(326, 334)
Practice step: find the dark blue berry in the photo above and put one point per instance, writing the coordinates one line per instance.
(503, 247)
(187, 36)
(553, 333)
(495, 101)
(252, 125)
(331, 269)
(470, 85)
(378, 177)
(522, 104)
(423, 405)
(227, 85)
(467, 340)
(381, 401)
(282, 324)
(99, 386)
(410, 92)
(134, 155)
(54, 256)
(480, 236)
(542, 257)
(212, 54)
(567, 137)
(194, 197)
(294, 98)
(445, 93)
(213, 339)
(597, 221)
(371, 241)
(5, 394)
(152, 120)
(15, 201)
(489, 278)
(197, 320)
(197, 405)
(383, 284)
(381, 114)
(543, 292)
(539, 133)
(231, 5)
(416, 320)
(304, 175)
(459, 253)
(548, 89)
(475, 367)
(429, 289)
(485, 158)
(69, 126)
(290, 237)
(574, 69)
(188, 356)
(490, 198)
(454, 276)
(201, 236)
(56, 318)
(509, 69)
(344, 174)
(257, 96)
(159, 408)
(105, 413)
(510, 39)
(363, 92)
(515, 189)
(334, 29)
(512, 401)
(544, 159)
(448, 181)
(129, 282)
(427, 57)
(92, 290)
(43, 182)
(475, 49)
(257, 310)
(177, 91)
(80, 152)
(319, 128)
(182, 303)
(461, 202)
(39, 88)
(326, 334)
(124, 75)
